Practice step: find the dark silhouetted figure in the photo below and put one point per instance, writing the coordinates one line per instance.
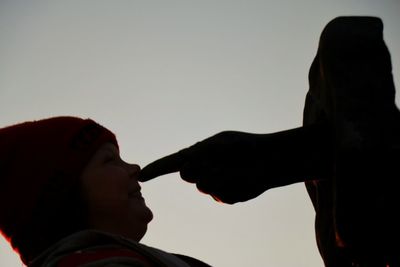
(347, 152)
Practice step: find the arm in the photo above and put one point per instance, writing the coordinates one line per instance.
(237, 166)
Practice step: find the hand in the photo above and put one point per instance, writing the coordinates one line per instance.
(237, 166)
(227, 166)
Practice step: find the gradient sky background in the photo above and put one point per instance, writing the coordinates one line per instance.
(166, 74)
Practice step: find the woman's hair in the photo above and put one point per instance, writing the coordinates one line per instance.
(60, 211)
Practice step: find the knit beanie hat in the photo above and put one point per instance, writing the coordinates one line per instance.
(34, 152)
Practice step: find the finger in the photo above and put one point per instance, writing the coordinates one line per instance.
(225, 188)
(168, 164)
(218, 194)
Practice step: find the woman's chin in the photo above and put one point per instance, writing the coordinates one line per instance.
(148, 215)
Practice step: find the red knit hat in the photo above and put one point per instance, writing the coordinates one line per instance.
(32, 153)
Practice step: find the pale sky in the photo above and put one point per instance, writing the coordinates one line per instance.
(165, 74)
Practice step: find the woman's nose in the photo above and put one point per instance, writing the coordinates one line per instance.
(134, 170)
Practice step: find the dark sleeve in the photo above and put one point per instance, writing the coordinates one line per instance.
(192, 261)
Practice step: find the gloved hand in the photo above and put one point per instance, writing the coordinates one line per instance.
(236, 166)
(228, 166)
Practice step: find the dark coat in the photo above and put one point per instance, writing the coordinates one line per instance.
(351, 87)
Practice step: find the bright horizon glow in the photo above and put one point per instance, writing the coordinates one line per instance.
(166, 74)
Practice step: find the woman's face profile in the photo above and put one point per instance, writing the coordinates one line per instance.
(112, 194)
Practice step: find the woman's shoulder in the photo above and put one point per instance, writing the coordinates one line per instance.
(90, 247)
(112, 256)
(104, 249)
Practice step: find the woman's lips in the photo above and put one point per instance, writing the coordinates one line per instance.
(136, 194)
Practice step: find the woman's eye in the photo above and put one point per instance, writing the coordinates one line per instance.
(109, 158)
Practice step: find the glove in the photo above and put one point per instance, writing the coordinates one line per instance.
(234, 166)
